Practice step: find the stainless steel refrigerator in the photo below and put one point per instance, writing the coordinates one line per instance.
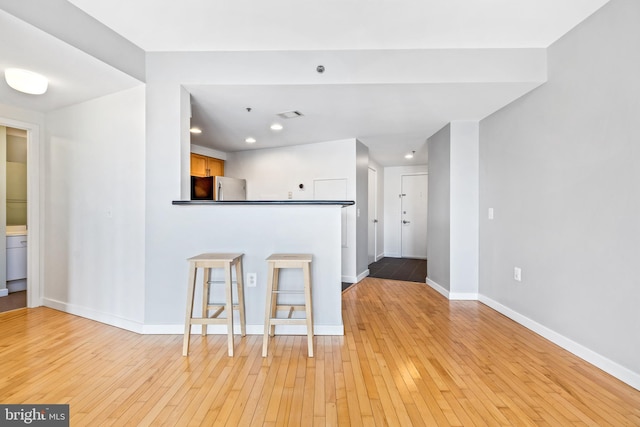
(229, 188)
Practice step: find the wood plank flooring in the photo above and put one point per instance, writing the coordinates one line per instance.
(13, 301)
(408, 358)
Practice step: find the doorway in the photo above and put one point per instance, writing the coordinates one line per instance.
(13, 215)
(34, 166)
(413, 235)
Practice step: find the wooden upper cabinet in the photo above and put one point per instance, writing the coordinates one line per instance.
(206, 166)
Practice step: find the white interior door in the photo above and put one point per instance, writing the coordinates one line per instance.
(373, 215)
(414, 216)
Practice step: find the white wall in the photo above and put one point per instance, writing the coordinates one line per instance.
(94, 222)
(362, 210)
(464, 164)
(452, 249)
(272, 173)
(393, 206)
(560, 168)
(439, 217)
(257, 232)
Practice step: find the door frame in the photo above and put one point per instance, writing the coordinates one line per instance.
(35, 248)
(373, 216)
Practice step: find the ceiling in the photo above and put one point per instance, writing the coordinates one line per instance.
(392, 119)
(74, 76)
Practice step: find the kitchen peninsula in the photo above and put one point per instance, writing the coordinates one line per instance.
(259, 228)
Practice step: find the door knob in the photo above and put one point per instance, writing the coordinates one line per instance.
(406, 222)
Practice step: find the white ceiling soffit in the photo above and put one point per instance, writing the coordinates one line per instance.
(205, 25)
(390, 119)
(392, 101)
(74, 76)
(75, 27)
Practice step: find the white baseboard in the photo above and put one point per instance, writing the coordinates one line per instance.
(174, 329)
(4, 292)
(452, 296)
(607, 365)
(330, 330)
(379, 256)
(106, 318)
(463, 296)
(362, 275)
(442, 291)
(355, 279)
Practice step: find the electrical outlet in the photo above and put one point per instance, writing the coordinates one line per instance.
(252, 280)
(490, 213)
(517, 274)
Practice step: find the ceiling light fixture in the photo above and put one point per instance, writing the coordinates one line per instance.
(195, 130)
(26, 81)
(410, 155)
(250, 140)
(276, 126)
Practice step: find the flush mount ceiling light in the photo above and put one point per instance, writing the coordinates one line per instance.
(195, 130)
(250, 140)
(410, 155)
(276, 126)
(26, 81)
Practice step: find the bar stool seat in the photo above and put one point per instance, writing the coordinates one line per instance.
(275, 262)
(207, 261)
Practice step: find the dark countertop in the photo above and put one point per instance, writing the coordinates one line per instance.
(342, 203)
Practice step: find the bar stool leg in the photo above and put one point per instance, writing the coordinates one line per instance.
(274, 300)
(229, 306)
(308, 307)
(191, 285)
(240, 286)
(205, 297)
(269, 308)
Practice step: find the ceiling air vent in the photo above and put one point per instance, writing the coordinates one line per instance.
(290, 114)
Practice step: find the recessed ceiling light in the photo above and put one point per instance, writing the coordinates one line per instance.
(26, 81)
(410, 155)
(250, 140)
(195, 130)
(276, 126)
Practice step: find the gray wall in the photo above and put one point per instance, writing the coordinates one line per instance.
(560, 168)
(438, 220)
(362, 204)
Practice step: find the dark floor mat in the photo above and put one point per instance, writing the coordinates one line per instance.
(407, 269)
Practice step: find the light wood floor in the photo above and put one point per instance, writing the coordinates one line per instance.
(409, 357)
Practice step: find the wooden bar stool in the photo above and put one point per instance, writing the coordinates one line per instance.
(209, 261)
(275, 262)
